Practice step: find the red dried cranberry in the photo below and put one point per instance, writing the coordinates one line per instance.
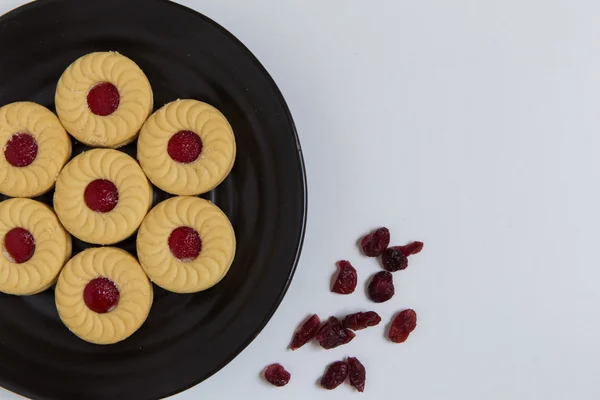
(357, 373)
(185, 243)
(402, 325)
(101, 295)
(349, 336)
(332, 334)
(393, 259)
(19, 245)
(306, 332)
(101, 195)
(381, 287)
(361, 320)
(335, 375)
(184, 147)
(411, 248)
(276, 375)
(21, 149)
(103, 99)
(345, 282)
(376, 242)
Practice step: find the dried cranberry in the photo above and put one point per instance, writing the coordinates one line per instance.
(402, 325)
(393, 259)
(349, 336)
(345, 282)
(332, 334)
(276, 375)
(306, 332)
(381, 287)
(335, 375)
(410, 249)
(361, 320)
(376, 242)
(357, 373)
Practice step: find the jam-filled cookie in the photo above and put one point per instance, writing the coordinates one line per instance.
(186, 244)
(102, 196)
(187, 147)
(35, 148)
(103, 295)
(103, 99)
(35, 247)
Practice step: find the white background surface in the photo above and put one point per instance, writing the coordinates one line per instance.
(471, 125)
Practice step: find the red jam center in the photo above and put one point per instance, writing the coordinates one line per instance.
(185, 243)
(185, 147)
(19, 245)
(101, 295)
(101, 195)
(21, 149)
(103, 99)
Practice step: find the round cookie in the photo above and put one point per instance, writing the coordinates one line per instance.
(103, 296)
(103, 98)
(187, 147)
(35, 148)
(102, 196)
(186, 244)
(34, 247)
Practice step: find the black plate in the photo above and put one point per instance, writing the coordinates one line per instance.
(186, 337)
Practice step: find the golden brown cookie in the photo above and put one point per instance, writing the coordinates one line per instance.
(35, 147)
(187, 147)
(35, 246)
(103, 295)
(186, 244)
(103, 99)
(102, 196)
